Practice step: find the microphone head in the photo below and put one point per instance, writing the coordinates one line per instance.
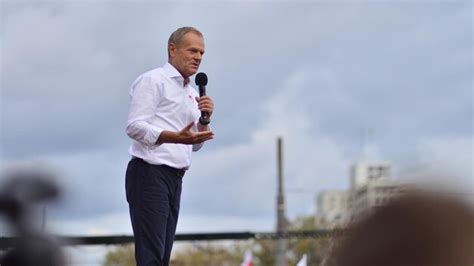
(201, 79)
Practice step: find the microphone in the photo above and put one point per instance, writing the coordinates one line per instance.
(201, 82)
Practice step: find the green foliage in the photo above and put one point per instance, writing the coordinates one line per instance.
(209, 255)
(219, 254)
(120, 256)
(265, 252)
(314, 248)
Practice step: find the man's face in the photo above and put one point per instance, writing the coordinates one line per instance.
(187, 54)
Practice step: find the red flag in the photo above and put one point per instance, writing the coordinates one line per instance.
(248, 258)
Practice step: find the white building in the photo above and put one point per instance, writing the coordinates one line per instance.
(371, 186)
(365, 172)
(333, 208)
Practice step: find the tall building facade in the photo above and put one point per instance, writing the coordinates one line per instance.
(371, 185)
(333, 208)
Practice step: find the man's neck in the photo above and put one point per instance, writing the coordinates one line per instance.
(186, 81)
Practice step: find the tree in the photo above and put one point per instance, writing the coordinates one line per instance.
(315, 248)
(219, 254)
(202, 253)
(121, 256)
(210, 255)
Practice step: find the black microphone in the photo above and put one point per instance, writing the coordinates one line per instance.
(201, 82)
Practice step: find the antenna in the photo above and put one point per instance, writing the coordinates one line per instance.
(370, 151)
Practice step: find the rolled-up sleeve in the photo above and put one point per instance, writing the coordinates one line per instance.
(144, 98)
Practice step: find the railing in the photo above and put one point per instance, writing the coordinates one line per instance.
(8, 242)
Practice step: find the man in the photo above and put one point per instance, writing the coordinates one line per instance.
(164, 123)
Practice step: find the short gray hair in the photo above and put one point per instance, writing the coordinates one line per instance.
(178, 34)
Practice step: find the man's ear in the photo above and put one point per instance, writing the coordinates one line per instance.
(172, 49)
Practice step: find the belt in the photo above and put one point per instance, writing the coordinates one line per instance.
(176, 171)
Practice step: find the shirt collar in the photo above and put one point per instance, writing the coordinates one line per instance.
(173, 73)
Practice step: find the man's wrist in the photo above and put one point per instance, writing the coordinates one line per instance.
(168, 137)
(204, 122)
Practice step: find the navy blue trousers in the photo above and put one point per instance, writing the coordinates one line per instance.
(153, 195)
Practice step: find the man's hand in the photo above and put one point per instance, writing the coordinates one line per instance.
(205, 104)
(185, 136)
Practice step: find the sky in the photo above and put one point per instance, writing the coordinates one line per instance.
(319, 74)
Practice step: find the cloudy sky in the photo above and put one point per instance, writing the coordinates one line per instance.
(320, 74)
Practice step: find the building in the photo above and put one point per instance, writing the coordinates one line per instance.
(371, 186)
(333, 208)
(366, 172)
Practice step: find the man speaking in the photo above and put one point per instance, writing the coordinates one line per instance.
(167, 121)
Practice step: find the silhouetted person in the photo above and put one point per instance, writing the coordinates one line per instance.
(31, 246)
(413, 230)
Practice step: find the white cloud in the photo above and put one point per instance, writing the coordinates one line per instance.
(244, 176)
(443, 162)
(453, 154)
(317, 76)
(108, 223)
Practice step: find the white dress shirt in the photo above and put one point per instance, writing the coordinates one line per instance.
(159, 101)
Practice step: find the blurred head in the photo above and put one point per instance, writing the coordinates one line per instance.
(411, 230)
(185, 50)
